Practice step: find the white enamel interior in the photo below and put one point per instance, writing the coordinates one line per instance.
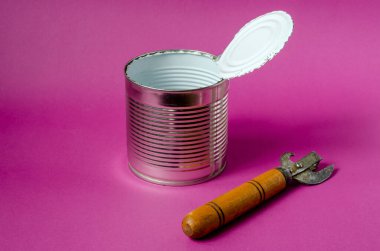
(174, 71)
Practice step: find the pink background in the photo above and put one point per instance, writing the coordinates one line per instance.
(64, 182)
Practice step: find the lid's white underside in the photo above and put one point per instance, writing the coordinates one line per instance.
(255, 44)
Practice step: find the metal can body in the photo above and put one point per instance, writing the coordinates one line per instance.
(176, 137)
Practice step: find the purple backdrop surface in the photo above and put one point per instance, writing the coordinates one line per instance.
(64, 182)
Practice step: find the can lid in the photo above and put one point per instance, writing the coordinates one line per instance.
(255, 44)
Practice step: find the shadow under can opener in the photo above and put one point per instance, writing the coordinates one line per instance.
(227, 207)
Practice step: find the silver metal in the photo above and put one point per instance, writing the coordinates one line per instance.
(310, 177)
(176, 137)
(303, 170)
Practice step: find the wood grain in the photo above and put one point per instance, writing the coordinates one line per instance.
(232, 204)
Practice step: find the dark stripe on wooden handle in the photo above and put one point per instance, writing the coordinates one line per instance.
(217, 211)
(258, 183)
(258, 189)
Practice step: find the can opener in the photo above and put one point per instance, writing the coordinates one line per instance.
(227, 207)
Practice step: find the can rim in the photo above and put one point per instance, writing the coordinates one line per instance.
(176, 51)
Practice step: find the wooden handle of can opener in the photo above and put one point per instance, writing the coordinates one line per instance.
(232, 204)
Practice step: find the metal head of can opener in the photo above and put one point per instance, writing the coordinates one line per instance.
(222, 210)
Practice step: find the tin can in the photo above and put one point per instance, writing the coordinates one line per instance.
(176, 117)
(177, 102)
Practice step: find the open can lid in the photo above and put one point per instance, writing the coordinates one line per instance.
(255, 44)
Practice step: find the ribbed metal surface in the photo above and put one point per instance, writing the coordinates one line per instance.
(176, 117)
(187, 139)
(167, 78)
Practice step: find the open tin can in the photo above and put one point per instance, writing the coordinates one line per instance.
(177, 134)
(177, 109)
